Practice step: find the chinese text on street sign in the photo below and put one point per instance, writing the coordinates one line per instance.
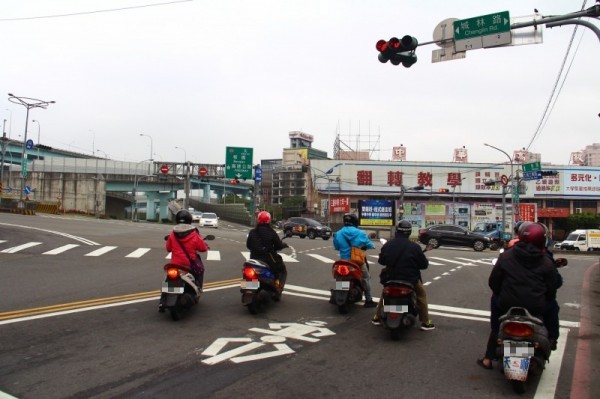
(238, 163)
(483, 31)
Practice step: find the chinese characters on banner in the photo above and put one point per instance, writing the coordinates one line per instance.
(527, 212)
(376, 212)
(339, 205)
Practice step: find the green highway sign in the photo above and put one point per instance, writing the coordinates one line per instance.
(483, 25)
(238, 163)
(532, 166)
(532, 171)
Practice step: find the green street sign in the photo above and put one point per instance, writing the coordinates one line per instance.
(532, 167)
(238, 163)
(483, 25)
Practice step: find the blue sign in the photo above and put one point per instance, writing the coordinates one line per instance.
(376, 213)
(258, 175)
(27, 190)
(532, 175)
(29, 144)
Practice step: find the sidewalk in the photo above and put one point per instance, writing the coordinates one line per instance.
(587, 361)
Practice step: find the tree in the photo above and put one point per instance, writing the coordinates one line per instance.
(578, 221)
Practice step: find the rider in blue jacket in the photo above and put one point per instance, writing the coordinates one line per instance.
(351, 236)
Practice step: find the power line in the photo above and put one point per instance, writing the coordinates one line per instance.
(94, 12)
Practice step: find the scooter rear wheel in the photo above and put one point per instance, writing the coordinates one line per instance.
(175, 313)
(518, 386)
(343, 309)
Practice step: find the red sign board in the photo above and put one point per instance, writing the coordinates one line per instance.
(553, 212)
(339, 205)
(164, 169)
(202, 171)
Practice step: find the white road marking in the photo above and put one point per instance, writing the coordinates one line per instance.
(20, 247)
(213, 255)
(286, 258)
(138, 253)
(60, 250)
(81, 239)
(322, 258)
(100, 251)
(549, 380)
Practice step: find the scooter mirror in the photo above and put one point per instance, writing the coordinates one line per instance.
(209, 237)
(382, 241)
(560, 262)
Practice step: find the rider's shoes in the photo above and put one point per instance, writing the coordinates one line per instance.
(369, 304)
(427, 326)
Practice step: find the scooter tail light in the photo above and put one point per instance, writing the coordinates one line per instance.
(515, 329)
(250, 274)
(172, 273)
(343, 270)
(398, 291)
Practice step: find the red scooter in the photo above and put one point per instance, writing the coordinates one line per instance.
(348, 284)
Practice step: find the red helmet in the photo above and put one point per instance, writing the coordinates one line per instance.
(535, 234)
(263, 217)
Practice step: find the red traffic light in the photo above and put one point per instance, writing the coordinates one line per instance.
(444, 190)
(395, 44)
(381, 46)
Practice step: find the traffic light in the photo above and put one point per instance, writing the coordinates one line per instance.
(234, 181)
(398, 51)
(549, 172)
(444, 190)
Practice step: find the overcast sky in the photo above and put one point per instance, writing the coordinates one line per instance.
(206, 74)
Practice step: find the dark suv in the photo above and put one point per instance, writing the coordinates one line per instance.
(452, 235)
(306, 227)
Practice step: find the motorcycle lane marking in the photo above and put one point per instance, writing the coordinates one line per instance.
(138, 253)
(546, 386)
(101, 251)
(60, 250)
(20, 247)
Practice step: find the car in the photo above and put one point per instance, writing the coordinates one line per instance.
(306, 227)
(208, 219)
(453, 235)
(196, 216)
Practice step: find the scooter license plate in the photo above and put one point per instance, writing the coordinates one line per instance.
(173, 287)
(518, 349)
(516, 367)
(250, 285)
(395, 306)
(342, 285)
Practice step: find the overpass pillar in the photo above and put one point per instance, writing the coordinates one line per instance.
(150, 205)
(164, 204)
(206, 193)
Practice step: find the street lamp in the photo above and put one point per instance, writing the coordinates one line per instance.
(38, 140)
(28, 103)
(504, 188)
(105, 154)
(151, 151)
(186, 186)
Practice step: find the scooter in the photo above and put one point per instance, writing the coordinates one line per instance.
(400, 308)
(259, 285)
(180, 290)
(349, 288)
(523, 343)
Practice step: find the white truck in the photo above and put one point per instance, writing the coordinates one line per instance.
(582, 240)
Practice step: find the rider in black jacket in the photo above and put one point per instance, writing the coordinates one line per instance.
(524, 276)
(404, 260)
(263, 243)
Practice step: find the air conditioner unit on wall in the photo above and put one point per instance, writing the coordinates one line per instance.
(577, 210)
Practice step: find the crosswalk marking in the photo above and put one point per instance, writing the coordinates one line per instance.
(286, 258)
(100, 251)
(321, 258)
(60, 250)
(215, 256)
(20, 247)
(138, 253)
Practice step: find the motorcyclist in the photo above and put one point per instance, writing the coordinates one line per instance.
(351, 236)
(524, 276)
(185, 235)
(263, 243)
(518, 226)
(404, 260)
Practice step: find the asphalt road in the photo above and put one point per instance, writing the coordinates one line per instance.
(78, 319)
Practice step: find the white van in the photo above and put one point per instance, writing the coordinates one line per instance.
(582, 240)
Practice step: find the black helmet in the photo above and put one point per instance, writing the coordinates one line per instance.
(183, 216)
(520, 225)
(404, 228)
(350, 219)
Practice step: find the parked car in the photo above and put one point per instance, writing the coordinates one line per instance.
(196, 216)
(452, 235)
(306, 227)
(208, 219)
